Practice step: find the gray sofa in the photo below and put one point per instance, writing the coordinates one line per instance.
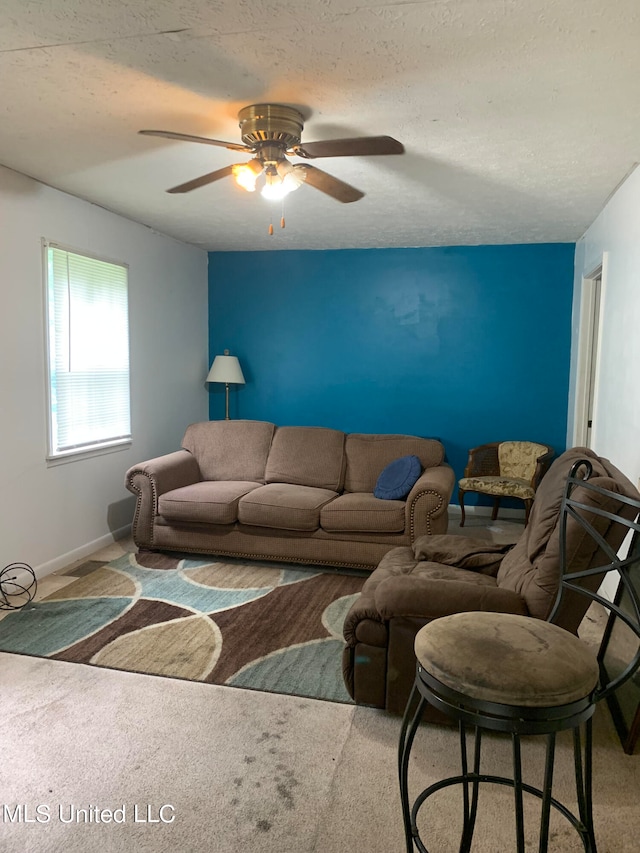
(299, 494)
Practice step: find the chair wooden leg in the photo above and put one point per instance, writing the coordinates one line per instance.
(527, 511)
(461, 500)
(496, 504)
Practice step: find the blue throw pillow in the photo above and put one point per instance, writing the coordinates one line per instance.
(398, 478)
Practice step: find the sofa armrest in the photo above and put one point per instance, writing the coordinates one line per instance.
(428, 502)
(429, 598)
(148, 480)
(363, 623)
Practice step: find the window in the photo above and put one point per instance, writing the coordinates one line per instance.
(88, 353)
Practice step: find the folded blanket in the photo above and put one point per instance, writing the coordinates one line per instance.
(465, 552)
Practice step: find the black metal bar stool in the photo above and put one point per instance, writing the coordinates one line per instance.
(531, 678)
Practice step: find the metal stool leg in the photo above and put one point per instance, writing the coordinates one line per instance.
(588, 784)
(470, 808)
(584, 785)
(407, 733)
(546, 798)
(517, 724)
(517, 788)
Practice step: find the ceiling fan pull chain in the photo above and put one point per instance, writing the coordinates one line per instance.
(271, 229)
(282, 217)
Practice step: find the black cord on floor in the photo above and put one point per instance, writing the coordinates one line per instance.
(18, 586)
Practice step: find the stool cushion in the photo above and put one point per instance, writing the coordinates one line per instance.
(507, 659)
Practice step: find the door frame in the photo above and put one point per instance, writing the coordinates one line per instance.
(592, 298)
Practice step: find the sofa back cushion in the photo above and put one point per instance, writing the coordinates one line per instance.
(307, 456)
(230, 450)
(368, 455)
(532, 567)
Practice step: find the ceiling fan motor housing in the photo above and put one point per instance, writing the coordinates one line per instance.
(270, 123)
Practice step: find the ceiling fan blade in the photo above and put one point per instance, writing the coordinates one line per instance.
(359, 147)
(202, 181)
(328, 184)
(186, 137)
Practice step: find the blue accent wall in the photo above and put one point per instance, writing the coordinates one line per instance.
(468, 344)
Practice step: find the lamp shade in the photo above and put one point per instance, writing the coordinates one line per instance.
(226, 368)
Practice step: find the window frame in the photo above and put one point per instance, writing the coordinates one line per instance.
(99, 448)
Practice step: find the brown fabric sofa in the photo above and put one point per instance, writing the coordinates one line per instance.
(301, 494)
(441, 575)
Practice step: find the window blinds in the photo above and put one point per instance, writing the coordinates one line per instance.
(88, 342)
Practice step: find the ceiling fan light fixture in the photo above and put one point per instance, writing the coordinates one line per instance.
(246, 174)
(292, 177)
(280, 180)
(274, 188)
(292, 181)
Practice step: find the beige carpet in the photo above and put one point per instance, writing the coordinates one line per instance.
(240, 771)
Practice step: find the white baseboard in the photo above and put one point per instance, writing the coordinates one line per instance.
(609, 585)
(485, 511)
(81, 552)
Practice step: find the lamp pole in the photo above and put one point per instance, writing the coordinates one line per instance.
(226, 401)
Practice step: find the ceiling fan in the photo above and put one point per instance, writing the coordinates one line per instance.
(272, 132)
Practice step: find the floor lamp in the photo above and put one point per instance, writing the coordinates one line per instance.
(226, 368)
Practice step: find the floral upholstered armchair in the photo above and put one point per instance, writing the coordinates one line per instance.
(505, 469)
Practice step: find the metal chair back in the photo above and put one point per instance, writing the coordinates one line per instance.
(627, 566)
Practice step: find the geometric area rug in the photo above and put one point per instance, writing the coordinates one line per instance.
(258, 625)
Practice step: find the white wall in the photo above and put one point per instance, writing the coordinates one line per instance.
(614, 237)
(51, 515)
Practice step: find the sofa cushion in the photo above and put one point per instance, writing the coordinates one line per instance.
(361, 512)
(209, 502)
(367, 455)
(230, 450)
(398, 478)
(284, 506)
(307, 456)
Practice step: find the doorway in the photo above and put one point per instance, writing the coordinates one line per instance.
(590, 332)
(592, 366)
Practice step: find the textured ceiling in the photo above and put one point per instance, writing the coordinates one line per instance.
(519, 117)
